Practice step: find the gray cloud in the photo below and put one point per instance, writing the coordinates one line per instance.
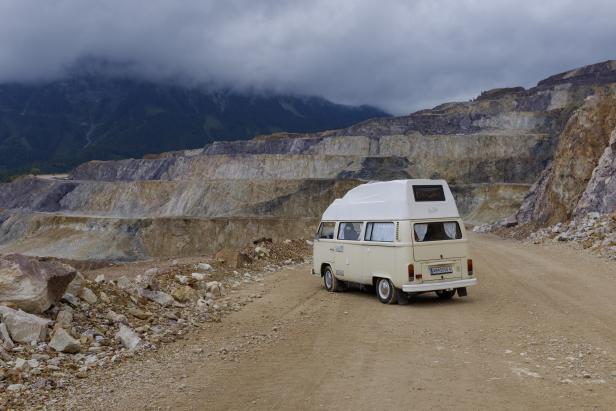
(401, 55)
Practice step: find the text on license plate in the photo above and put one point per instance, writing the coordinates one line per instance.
(441, 269)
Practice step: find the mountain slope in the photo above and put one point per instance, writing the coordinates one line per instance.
(490, 150)
(57, 125)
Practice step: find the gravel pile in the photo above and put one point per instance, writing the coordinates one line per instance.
(100, 322)
(594, 232)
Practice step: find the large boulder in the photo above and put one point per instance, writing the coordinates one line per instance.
(23, 327)
(31, 284)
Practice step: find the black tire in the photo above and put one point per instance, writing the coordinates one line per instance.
(445, 294)
(386, 292)
(331, 283)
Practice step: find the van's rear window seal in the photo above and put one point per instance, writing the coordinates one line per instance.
(428, 193)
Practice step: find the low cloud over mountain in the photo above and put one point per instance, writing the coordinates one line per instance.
(398, 55)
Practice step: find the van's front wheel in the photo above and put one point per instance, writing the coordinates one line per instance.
(386, 291)
(332, 284)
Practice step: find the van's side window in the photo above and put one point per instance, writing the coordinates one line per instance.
(349, 231)
(380, 232)
(326, 231)
(438, 231)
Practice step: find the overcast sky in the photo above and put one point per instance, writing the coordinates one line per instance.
(400, 55)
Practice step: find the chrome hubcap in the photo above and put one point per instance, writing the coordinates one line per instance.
(328, 279)
(384, 289)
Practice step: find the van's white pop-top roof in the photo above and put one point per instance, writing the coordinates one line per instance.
(391, 200)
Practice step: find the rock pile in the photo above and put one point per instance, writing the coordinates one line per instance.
(102, 322)
(595, 232)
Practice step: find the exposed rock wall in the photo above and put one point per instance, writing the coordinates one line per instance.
(582, 143)
(600, 192)
(125, 239)
(475, 158)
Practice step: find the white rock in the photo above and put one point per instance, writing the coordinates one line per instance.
(128, 337)
(33, 363)
(20, 364)
(90, 359)
(63, 342)
(215, 288)
(199, 276)
(75, 286)
(88, 296)
(182, 279)
(159, 297)
(99, 279)
(64, 319)
(15, 387)
(5, 336)
(262, 251)
(124, 283)
(71, 299)
(23, 327)
(203, 266)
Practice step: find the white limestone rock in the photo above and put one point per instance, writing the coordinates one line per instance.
(23, 327)
(63, 342)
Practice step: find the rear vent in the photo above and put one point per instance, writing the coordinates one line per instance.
(397, 231)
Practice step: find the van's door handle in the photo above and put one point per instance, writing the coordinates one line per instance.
(331, 249)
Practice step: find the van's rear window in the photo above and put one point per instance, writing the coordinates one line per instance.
(429, 193)
(437, 231)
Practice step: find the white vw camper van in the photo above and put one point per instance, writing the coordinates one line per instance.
(403, 237)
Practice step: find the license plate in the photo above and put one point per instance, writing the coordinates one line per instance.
(441, 269)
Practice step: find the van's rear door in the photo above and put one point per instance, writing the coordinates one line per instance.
(440, 248)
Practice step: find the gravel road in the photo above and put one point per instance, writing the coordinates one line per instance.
(538, 331)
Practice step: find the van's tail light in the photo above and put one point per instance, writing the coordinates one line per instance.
(411, 270)
(469, 266)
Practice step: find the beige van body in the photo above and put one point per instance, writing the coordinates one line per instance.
(403, 237)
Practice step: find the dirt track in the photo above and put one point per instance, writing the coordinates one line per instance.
(539, 331)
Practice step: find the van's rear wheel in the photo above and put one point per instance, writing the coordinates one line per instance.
(332, 284)
(386, 291)
(445, 294)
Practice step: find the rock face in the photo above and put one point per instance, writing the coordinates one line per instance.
(579, 179)
(491, 150)
(33, 285)
(600, 192)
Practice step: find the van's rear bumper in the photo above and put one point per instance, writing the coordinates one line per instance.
(442, 285)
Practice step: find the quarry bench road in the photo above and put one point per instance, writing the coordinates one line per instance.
(537, 332)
